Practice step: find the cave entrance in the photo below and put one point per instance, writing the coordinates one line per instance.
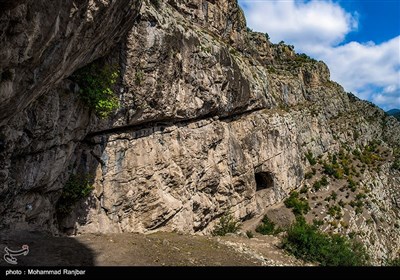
(264, 180)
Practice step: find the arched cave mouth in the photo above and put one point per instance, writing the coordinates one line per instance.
(264, 180)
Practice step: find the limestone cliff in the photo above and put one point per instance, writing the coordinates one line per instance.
(213, 118)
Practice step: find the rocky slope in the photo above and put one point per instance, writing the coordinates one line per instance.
(213, 118)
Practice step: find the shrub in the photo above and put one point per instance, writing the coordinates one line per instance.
(329, 169)
(226, 224)
(396, 165)
(96, 82)
(267, 227)
(76, 188)
(346, 169)
(393, 262)
(317, 185)
(321, 183)
(139, 77)
(299, 205)
(335, 211)
(304, 189)
(341, 203)
(156, 3)
(356, 135)
(324, 181)
(249, 234)
(334, 159)
(309, 155)
(308, 175)
(352, 185)
(308, 243)
(304, 58)
(317, 223)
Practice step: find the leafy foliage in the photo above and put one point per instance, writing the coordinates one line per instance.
(76, 188)
(308, 175)
(333, 170)
(304, 58)
(308, 243)
(249, 234)
(96, 83)
(156, 3)
(299, 205)
(267, 227)
(321, 183)
(396, 164)
(226, 224)
(310, 157)
(393, 262)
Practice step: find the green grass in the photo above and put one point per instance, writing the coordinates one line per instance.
(308, 243)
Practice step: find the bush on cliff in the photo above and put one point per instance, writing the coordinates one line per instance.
(76, 188)
(226, 224)
(96, 82)
(308, 243)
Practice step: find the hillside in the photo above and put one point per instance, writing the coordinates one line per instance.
(146, 116)
(395, 113)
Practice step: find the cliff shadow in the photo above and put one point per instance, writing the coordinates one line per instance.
(83, 191)
(42, 250)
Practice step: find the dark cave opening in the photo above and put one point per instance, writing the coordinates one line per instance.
(264, 180)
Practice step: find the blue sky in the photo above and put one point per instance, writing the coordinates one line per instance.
(359, 40)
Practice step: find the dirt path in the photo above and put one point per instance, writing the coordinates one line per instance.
(159, 249)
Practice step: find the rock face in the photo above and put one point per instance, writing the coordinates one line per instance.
(44, 41)
(213, 118)
(41, 120)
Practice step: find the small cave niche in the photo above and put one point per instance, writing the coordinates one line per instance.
(264, 180)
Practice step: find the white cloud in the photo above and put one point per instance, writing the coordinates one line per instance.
(308, 23)
(369, 70)
(317, 28)
(393, 100)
